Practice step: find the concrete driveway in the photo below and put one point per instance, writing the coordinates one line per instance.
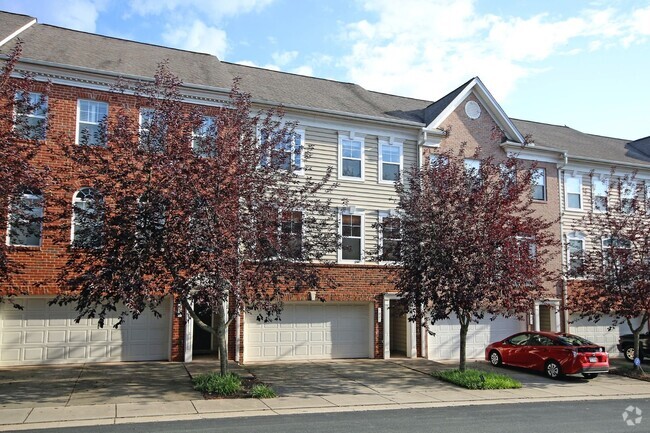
(89, 384)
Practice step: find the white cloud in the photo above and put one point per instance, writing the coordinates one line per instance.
(213, 9)
(303, 70)
(426, 49)
(197, 36)
(74, 14)
(284, 57)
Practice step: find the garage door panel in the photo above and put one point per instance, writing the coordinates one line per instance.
(48, 334)
(445, 344)
(308, 331)
(600, 332)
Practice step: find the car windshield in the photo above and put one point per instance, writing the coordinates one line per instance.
(574, 340)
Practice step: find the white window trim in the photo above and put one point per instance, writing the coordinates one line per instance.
(297, 131)
(566, 192)
(32, 115)
(628, 192)
(199, 136)
(74, 201)
(383, 215)
(8, 229)
(78, 132)
(574, 236)
(354, 212)
(593, 194)
(380, 165)
(543, 184)
(363, 158)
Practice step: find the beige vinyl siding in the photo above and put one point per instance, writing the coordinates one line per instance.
(368, 195)
(572, 219)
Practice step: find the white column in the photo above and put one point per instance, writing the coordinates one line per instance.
(189, 334)
(386, 322)
(536, 316)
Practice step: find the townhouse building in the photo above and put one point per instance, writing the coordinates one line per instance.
(365, 136)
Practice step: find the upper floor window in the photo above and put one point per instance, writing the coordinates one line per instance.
(91, 118)
(288, 152)
(600, 193)
(539, 184)
(150, 220)
(25, 220)
(573, 188)
(390, 161)
(473, 172)
(87, 218)
(31, 115)
(204, 138)
(351, 158)
(616, 251)
(575, 253)
(440, 160)
(291, 233)
(628, 196)
(152, 130)
(391, 239)
(351, 237)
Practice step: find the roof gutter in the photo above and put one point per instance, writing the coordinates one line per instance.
(224, 92)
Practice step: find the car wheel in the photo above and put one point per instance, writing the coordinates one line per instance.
(628, 352)
(552, 370)
(590, 375)
(495, 358)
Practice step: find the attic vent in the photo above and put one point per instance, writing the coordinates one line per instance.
(473, 110)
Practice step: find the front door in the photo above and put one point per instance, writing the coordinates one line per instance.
(202, 342)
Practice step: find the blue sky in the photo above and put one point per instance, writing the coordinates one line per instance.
(569, 62)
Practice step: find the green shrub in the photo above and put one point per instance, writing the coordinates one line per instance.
(214, 383)
(263, 391)
(476, 379)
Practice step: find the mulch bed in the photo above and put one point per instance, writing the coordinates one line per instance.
(628, 372)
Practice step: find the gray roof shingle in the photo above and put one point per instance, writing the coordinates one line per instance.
(10, 23)
(580, 144)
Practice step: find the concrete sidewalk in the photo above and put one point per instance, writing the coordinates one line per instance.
(369, 394)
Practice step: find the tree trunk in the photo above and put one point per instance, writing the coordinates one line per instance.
(222, 329)
(464, 327)
(637, 334)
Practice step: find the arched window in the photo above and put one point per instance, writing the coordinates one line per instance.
(87, 217)
(26, 219)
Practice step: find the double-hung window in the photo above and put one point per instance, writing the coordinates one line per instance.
(575, 253)
(351, 237)
(291, 233)
(204, 138)
(473, 172)
(573, 188)
(351, 155)
(539, 184)
(31, 115)
(152, 130)
(628, 196)
(25, 220)
(91, 122)
(391, 239)
(616, 251)
(87, 218)
(390, 161)
(600, 192)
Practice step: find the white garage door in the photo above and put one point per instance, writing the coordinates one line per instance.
(445, 344)
(599, 332)
(310, 331)
(40, 334)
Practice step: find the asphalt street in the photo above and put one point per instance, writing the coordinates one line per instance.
(604, 416)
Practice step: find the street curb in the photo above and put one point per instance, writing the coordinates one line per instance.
(298, 410)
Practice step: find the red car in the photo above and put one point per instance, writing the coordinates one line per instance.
(553, 353)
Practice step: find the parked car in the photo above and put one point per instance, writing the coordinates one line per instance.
(626, 345)
(555, 354)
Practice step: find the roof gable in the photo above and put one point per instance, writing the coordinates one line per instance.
(436, 113)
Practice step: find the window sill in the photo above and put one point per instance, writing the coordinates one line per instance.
(352, 179)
